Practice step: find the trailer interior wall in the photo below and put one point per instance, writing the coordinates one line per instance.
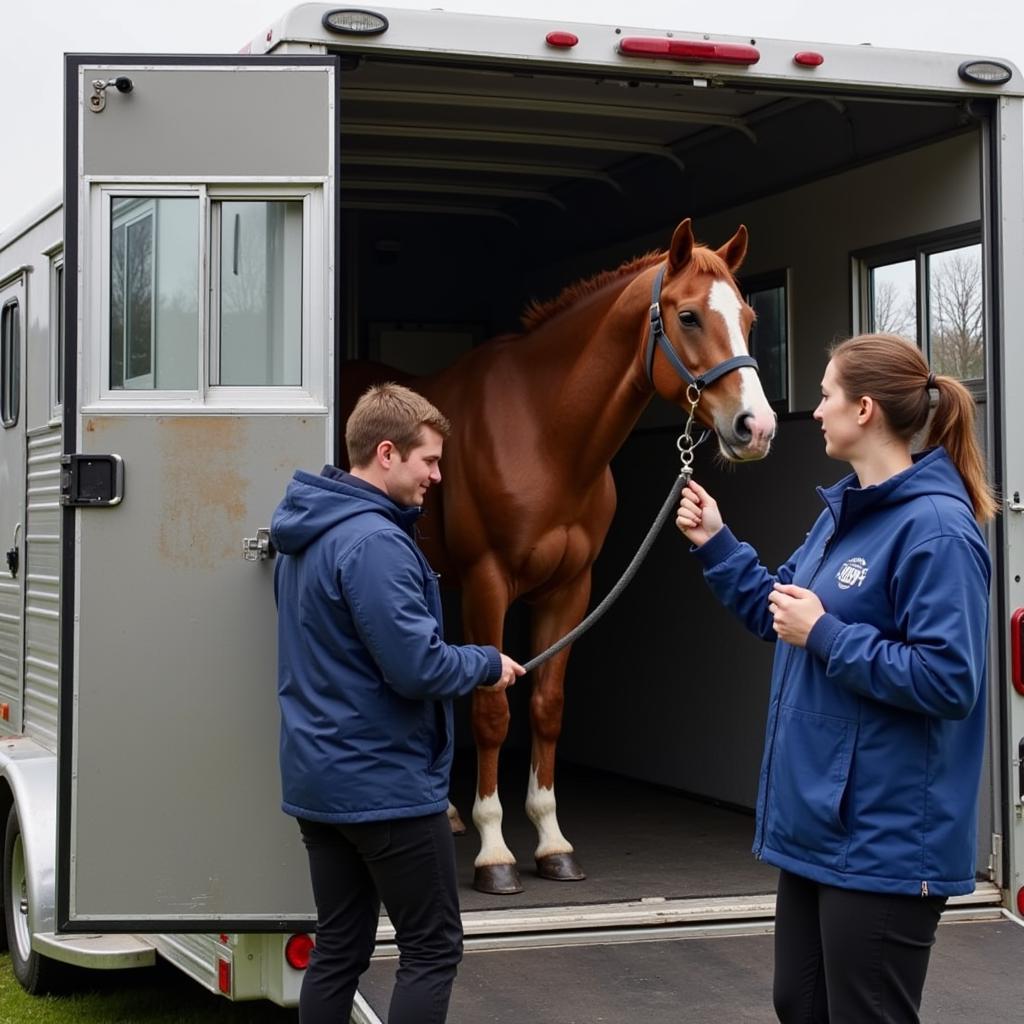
(701, 729)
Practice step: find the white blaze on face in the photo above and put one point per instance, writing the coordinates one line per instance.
(723, 300)
(540, 809)
(487, 818)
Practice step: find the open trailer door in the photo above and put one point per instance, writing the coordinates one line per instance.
(199, 200)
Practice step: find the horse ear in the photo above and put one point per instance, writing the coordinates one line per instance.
(735, 250)
(682, 246)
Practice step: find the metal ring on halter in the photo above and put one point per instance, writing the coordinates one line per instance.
(696, 389)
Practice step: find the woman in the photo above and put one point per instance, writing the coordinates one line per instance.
(876, 722)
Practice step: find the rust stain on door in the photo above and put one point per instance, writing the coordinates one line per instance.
(204, 494)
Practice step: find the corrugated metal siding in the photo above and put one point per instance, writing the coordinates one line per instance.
(42, 565)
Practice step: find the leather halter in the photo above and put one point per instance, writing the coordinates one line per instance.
(656, 337)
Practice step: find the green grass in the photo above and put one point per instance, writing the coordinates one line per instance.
(148, 995)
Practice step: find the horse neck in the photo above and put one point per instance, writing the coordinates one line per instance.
(601, 360)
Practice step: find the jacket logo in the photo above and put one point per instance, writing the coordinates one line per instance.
(852, 573)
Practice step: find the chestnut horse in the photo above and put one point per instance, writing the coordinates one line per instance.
(528, 496)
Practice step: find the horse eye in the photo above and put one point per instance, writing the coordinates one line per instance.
(688, 319)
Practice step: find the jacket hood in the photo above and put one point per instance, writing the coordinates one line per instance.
(313, 504)
(932, 473)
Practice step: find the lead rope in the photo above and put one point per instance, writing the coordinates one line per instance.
(686, 445)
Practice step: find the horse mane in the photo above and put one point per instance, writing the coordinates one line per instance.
(704, 260)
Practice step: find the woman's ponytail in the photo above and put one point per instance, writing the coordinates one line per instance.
(952, 426)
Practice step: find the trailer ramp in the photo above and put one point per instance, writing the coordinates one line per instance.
(719, 974)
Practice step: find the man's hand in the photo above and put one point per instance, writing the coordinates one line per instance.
(698, 517)
(794, 612)
(509, 671)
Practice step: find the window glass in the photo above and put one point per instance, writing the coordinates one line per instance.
(769, 336)
(154, 293)
(956, 334)
(10, 364)
(260, 326)
(58, 333)
(894, 298)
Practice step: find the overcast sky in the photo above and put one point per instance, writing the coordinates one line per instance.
(36, 33)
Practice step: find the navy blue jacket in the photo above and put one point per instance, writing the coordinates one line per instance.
(365, 679)
(876, 728)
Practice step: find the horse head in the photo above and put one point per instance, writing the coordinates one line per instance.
(697, 344)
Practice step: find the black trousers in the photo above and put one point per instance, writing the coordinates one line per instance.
(849, 957)
(409, 864)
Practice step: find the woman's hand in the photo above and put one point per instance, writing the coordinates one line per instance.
(794, 612)
(698, 517)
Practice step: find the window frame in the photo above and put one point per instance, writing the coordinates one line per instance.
(918, 250)
(58, 331)
(10, 362)
(309, 396)
(767, 281)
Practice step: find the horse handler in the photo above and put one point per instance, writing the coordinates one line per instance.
(365, 683)
(876, 718)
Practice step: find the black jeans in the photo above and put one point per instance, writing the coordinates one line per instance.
(849, 957)
(409, 864)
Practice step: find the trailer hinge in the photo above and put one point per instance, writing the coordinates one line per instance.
(91, 481)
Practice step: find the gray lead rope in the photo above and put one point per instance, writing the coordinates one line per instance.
(686, 445)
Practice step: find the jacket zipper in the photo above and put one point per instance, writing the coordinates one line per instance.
(778, 710)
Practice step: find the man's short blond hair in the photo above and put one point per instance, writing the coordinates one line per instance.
(390, 412)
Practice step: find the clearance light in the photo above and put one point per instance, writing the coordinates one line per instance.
(1020, 902)
(984, 72)
(224, 976)
(1017, 650)
(349, 21)
(564, 39)
(297, 950)
(690, 50)
(808, 59)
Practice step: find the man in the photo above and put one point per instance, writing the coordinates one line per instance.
(365, 683)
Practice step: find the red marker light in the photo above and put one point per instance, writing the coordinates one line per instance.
(808, 59)
(1017, 650)
(297, 951)
(690, 50)
(1020, 902)
(224, 977)
(563, 39)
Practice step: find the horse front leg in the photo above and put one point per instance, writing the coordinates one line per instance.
(485, 599)
(553, 617)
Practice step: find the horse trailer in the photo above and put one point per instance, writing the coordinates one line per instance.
(398, 186)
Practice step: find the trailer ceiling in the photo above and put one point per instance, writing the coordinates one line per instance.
(598, 158)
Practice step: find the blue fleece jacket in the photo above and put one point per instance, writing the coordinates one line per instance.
(876, 728)
(365, 679)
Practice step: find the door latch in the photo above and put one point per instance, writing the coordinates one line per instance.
(258, 548)
(98, 99)
(14, 554)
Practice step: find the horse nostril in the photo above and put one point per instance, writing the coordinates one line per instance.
(742, 427)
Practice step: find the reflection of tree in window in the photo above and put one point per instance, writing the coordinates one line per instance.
(117, 308)
(956, 308)
(139, 263)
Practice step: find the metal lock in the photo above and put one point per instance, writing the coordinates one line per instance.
(258, 548)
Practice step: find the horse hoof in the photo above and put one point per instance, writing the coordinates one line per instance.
(560, 867)
(497, 879)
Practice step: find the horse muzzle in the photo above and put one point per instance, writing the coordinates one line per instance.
(748, 437)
